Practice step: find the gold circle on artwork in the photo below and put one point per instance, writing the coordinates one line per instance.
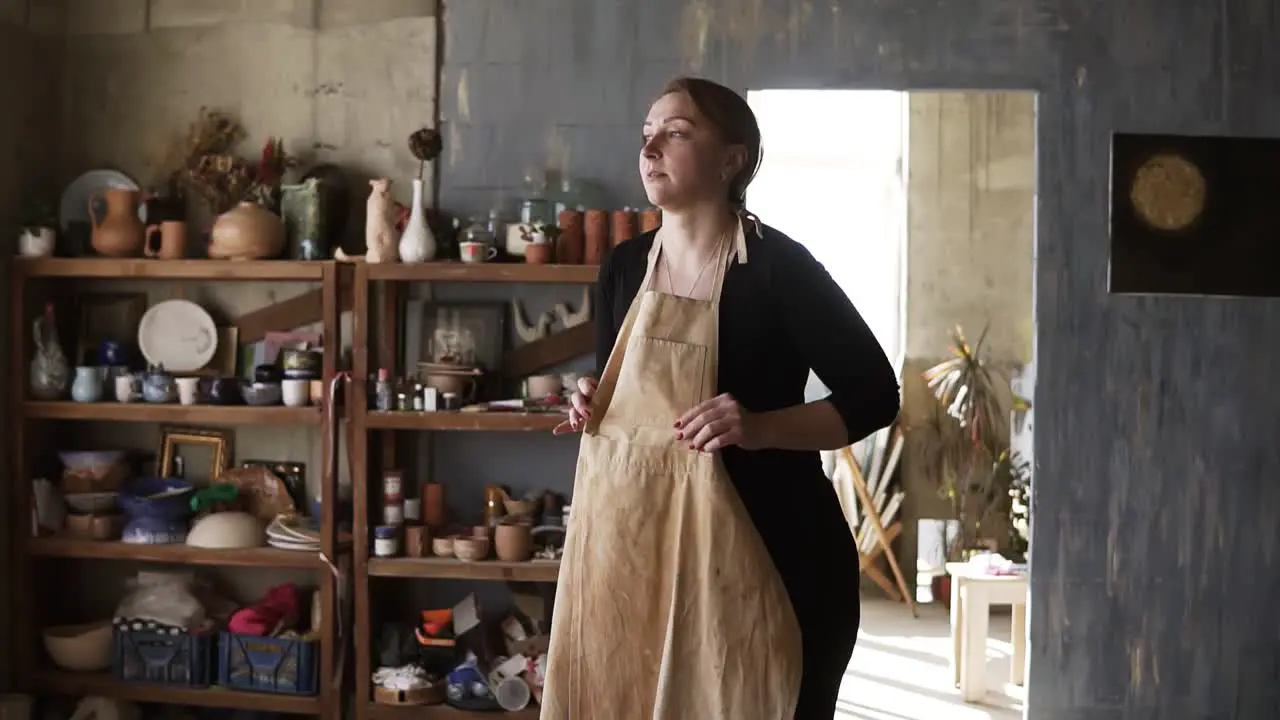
(1168, 192)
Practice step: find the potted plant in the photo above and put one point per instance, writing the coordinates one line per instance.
(39, 233)
(964, 443)
(539, 239)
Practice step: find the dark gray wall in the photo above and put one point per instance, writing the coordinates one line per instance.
(1156, 548)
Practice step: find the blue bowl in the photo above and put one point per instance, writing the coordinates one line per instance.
(159, 498)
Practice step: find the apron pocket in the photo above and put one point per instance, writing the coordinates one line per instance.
(658, 382)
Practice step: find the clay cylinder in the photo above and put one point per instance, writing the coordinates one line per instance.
(514, 543)
(650, 219)
(624, 226)
(417, 541)
(433, 505)
(595, 236)
(571, 245)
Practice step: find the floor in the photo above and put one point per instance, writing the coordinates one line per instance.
(901, 668)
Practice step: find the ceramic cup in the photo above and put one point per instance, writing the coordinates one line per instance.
(36, 242)
(297, 393)
(188, 390)
(476, 252)
(128, 389)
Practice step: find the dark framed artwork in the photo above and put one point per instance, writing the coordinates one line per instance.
(107, 317)
(1194, 215)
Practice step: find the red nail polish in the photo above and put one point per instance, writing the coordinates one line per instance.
(677, 424)
(679, 436)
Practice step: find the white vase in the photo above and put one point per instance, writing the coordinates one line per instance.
(417, 244)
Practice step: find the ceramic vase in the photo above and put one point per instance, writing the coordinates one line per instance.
(246, 232)
(50, 373)
(87, 387)
(417, 244)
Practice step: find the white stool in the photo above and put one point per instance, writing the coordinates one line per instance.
(973, 592)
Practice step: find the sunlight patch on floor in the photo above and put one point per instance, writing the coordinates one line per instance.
(901, 669)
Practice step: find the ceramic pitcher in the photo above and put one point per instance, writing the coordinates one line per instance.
(117, 231)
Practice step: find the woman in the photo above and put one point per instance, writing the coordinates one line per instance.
(776, 313)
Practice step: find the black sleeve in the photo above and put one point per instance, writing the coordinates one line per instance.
(836, 342)
(606, 327)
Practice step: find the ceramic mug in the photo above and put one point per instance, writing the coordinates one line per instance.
(476, 252)
(297, 393)
(128, 388)
(188, 390)
(36, 242)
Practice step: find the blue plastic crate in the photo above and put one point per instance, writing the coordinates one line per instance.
(141, 656)
(286, 666)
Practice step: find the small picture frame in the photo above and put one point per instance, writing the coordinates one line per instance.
(216, 442)
(472, 334)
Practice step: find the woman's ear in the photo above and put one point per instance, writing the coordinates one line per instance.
(736, 160)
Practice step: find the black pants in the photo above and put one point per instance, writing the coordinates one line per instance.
(828, 629)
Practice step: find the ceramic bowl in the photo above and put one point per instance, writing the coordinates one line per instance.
(470, 548)
(80, 648)
(442, 546)
(260, 393)
(89, 503)
(519, 508)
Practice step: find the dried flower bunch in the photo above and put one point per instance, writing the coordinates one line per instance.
(425, 144)
(209, 167)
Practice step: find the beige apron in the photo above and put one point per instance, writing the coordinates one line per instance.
(668, 605)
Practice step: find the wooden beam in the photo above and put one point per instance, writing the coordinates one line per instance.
(286, 315)
(532, 358)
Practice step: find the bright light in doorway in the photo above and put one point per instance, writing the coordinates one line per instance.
(833, 179)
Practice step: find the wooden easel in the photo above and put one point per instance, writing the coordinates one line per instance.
(884, 539)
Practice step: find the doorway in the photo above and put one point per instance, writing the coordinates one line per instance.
(922, 207)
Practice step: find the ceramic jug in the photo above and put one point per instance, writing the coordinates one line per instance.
(87, 387)
(117, 231)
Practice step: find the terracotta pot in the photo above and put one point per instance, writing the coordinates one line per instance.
(514, 543)
(570, 245)
(538, 253)
(433, 505)
(246, 232)
(595, 236)
(941, 587)
(117, 231)
(650, 219)
(624, 226)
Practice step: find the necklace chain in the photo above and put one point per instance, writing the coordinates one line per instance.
(706, 264)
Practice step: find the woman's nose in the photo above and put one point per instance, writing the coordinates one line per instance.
(650, 149)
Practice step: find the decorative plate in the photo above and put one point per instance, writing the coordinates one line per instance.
(178, 335)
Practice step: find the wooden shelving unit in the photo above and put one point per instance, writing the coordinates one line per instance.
(376, 297)
(30, 417)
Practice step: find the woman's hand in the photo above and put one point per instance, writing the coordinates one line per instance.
(581, 410)
(719, 423)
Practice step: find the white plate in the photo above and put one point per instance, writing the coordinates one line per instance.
(74, 205)
(178, 335)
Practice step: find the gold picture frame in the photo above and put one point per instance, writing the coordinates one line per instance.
(219, 441)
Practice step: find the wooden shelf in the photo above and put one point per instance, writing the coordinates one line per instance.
(73, 683)
(485, 273)
(173, 413)
(444, 712)
(449, 568)
(142, 268)
(490, 421)
(178, 554)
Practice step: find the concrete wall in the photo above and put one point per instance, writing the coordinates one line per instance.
(1155, 504)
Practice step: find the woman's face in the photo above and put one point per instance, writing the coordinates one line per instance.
(683, 159)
